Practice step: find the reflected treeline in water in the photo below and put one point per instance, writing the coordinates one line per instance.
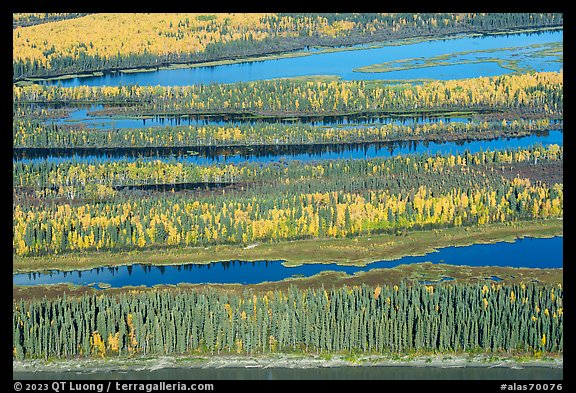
(175, 186)
(96, 116)
(202, 154)
(215, 152)
(522, 253)
(225, 265)
(114, 271)
(222, 265)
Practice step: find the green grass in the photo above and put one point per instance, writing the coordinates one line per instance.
(357, 251)
(411, 273)
(327, 356)
(528, 30)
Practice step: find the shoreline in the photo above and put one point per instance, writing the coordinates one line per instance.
(425, 273)
(358, 251)
(449, 360)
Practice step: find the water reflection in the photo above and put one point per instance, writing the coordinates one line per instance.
(345, 64)
(528, 253)
(492, 371)
(91, 116)
(283, 153)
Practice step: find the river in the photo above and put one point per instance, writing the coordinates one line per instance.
(453, 58)
(450, 58)
(527, 252)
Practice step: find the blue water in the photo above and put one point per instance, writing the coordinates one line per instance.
(329, 152)
(344, 63)
(528, 252)
(81, 116)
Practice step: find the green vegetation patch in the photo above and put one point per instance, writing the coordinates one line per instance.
(205, 18)
(505, 60)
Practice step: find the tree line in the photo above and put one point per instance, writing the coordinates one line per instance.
(40, 174)
(534, 93)
(519, 318)
(329, 199)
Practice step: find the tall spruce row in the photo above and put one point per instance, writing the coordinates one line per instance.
(360, 319)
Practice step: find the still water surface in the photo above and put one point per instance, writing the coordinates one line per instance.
(283, 153)
(87, 115)
(527, 252)
(339, 373)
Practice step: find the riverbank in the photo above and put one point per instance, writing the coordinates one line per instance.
(428, 273)
(302, 361)
(358, 251)
(290, 53)
(448, 59)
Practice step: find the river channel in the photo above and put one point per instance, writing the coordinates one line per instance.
(527, 252)
(449, 58)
